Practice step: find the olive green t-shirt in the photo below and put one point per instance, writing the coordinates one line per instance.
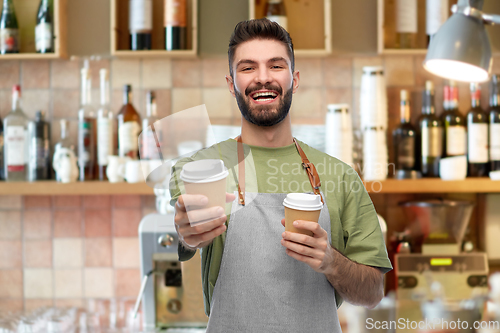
(355, 230)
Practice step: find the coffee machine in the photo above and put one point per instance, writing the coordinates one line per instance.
(171, 291)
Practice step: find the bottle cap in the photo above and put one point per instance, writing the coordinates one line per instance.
(429, 85)
(204, 171)
(39, 115)
(404, 95)
(127, 88)
(303, 201)
(16, 88)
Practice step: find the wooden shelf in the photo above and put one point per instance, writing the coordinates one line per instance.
(155, 54)
(434, 185)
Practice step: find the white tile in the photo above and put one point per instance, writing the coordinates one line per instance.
(156, 73)
(218, 102)
(126, 252)
(38, 283)
(185, 98)
(98, 283)
(68, 283)
(68, 252)
(125, 72)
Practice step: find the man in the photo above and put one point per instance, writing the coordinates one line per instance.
(257, 277)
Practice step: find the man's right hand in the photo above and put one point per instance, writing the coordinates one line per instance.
(199, 235)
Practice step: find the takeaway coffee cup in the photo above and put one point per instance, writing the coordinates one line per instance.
(207, 177)
(301, 206)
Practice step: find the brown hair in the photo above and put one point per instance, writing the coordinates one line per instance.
(259, 29)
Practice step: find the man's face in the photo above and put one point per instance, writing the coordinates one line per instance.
(263, 82)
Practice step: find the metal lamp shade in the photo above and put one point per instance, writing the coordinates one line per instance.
(460, 50)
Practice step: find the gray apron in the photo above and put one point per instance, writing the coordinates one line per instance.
(259, 287)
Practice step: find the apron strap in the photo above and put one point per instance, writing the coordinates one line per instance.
(311, 171)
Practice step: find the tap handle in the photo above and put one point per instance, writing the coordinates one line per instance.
(141, 292)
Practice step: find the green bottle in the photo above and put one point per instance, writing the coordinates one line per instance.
(9, 31)
(44, 31)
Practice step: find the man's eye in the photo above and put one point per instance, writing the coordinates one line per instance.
(276, 67)
(246, 69)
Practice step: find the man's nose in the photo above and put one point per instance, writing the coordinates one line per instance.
(263, 76)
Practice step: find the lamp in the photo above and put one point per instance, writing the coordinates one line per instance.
(461, 50)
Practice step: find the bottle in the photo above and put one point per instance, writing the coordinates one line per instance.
(64, 141)
(2, 171)
(129, 126)
(9, 30)
(406, 24)
(104, 126)
(431, 132)
(495, 123)
(436, 13)
(16, 141)
(150, 133)
(86, 130)
(39, 148)
(477, 135)
(140, 24)
(44, 33)
(175, 25)
(275, 11)
(404, 137)
(455, 141)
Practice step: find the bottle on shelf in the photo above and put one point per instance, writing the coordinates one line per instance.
(87, 133)
(9, 30)
(275, 11)
(431, 134)
(16, 140)
(495, 123)
(175, 25)
(140, 24)
(404, 138)
(455, 139)
(2, 171)
(39, 166)
(436, 13)
(150, 133)
(64, 141)
(104, 126)
(477, 135)
(44, 30)
(129, 126)
(406, 24)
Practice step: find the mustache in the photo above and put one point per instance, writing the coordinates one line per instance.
(250, 90)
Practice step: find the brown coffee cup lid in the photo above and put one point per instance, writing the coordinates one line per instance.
(204, 171)
(303, 201)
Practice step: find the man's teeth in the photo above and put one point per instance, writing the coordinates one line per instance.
(267, 96)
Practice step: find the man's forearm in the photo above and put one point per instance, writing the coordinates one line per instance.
(356, 283)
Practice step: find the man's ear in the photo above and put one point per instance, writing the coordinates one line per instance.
(296, 80)
(230, 84)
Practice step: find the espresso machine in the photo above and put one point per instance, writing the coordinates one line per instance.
(171, 291)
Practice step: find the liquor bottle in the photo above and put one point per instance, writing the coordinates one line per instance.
(175, 25)
(150, 133)
(275, 11)
(64, 141)
(431, 131)
(87, 133)
(44, 33)
(9, 30)
(436, 13)
(140, 24)
(16, 141)
(39, 148)
(104, 126)
(495, 123)
(406, 24)
(2, 171)
(455, 141)
(404, 137)
(477, 135)
(129, 126)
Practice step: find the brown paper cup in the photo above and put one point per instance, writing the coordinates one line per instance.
(294, 214)
(214, 191)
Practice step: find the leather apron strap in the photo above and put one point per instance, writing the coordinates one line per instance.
(311, 171)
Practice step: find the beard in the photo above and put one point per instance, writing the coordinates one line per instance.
(263, 115)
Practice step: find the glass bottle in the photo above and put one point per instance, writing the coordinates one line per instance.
(406, 24)
(495, 123)
(431, 133)
(404, 137)
(140, 24)
(87, 133)
(436, 13)
(477, 135)
(64, 140)
(104, 126)
(129, 126)
(2, 171)
(39, 148)
(455, 139)
(149, 148)
(44, 30)
(275, 11)
(9, 30)
(175, 24)
(16, 140)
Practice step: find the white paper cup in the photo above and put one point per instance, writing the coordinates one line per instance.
(453, 168)
(301, 206)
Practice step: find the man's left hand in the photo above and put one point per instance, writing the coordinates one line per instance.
(314, 250)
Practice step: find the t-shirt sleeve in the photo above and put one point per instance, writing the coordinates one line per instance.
(363, 239)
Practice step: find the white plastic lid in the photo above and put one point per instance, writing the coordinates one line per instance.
(204, 171)
(303, 201)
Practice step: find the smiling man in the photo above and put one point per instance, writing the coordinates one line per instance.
(257, 277)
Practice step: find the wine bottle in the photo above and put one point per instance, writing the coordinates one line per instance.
(455, 141)
(436, 13)
(16, 141)
(431, 130)
(275, 11)
(175, 25)
(477, 135)
(495, 123)
(39, 148)
(44, 33)
(64, 141)
(9, 30)
(86, 131)
(2, 171)
(406, 24)
(404, 137)
(104, 126)
(129, 126)
(150, 133)
(140, 24)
